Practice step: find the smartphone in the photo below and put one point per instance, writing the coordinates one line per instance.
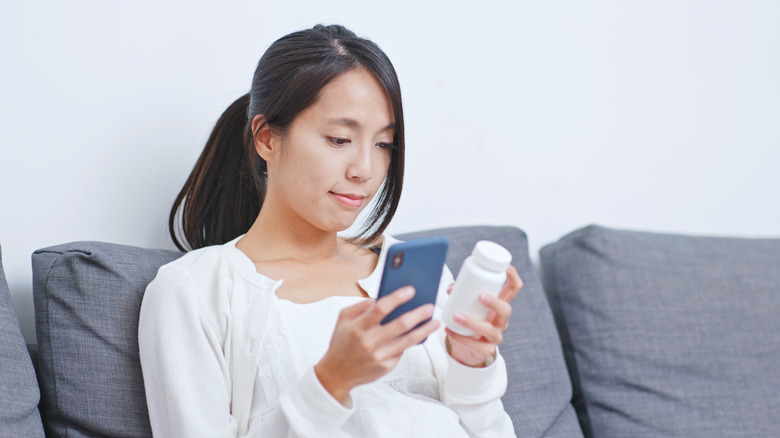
(418, 263)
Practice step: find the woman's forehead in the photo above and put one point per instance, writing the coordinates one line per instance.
(354, 99)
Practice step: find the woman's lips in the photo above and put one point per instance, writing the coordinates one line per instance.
(349, 200)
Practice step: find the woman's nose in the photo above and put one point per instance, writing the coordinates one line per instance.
(360, 165)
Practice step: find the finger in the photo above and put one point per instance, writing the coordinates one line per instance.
(484, 329)
(500, 311)
(476, 346)
(397, 346)
(512, 286)
(383, 306)
(355, 310)
(406, 322)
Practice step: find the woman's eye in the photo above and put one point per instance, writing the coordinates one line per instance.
(386, 145)
(339, 141)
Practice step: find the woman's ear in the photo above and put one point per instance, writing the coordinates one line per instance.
(266, 143)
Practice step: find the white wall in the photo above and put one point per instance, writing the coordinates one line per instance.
(655, 115)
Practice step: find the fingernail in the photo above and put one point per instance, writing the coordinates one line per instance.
(407, 291)
(459, 317)
(428, 309)
(487, 298)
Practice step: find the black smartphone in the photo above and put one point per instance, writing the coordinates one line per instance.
(418, 263)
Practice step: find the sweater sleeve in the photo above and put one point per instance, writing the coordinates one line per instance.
(185, 374)
(310, 409)
(473, 393)
(187, 377)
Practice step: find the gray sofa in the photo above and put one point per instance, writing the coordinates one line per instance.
(645, 335)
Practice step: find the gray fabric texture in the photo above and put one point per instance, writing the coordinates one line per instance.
(87, 298)
(669, 335)
(539, 392)
(19, 394)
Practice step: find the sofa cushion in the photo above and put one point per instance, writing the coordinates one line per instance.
(538, 397)
(669, 335)
(19, 394)
(87, 297)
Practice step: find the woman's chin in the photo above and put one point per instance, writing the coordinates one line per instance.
(344, 226)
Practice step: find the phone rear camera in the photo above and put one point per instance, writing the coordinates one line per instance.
(398, 259)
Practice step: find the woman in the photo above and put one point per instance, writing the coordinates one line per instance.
(270, 327)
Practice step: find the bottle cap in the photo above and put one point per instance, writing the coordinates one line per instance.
(492, 255)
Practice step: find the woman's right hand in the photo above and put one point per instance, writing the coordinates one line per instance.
(362, 350)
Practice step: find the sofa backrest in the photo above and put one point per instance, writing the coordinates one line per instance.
(669, 335)
(19, 394)
(87, 297)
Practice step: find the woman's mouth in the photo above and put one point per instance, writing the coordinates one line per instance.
(349, 200)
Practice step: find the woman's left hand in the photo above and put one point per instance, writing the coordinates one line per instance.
(474, 350)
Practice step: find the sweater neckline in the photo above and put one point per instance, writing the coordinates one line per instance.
(244, 265)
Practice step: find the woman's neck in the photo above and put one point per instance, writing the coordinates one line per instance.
(274, 238)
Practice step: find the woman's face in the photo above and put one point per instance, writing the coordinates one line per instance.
(335, 155)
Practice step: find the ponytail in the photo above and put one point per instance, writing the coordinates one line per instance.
(223, 194)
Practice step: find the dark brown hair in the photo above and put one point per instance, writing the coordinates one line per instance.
(224, 193)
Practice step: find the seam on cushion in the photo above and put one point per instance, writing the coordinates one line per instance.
(572, 368)
(47, 320)
(558, 417)
(62, 252)
(55, 373)
(544, 283)
(558, 329)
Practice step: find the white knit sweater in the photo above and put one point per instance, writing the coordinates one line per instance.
(217, 359)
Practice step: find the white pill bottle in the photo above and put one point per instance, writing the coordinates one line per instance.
(483, 272)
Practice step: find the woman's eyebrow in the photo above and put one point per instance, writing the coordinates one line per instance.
(352, 123)
(344, 121)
